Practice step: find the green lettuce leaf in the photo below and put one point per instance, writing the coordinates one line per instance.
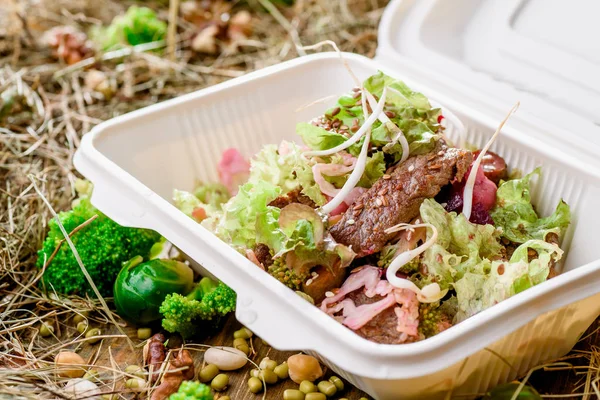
(461, 246)
(374, 169)
(476, 292)
(514, 213)
(237, 225)
(289, 171)
(318, 138)
(410, 111)
(213, 194)
(297, 233)
(267, 229)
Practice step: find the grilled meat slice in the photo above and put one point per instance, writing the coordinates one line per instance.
(397, 197)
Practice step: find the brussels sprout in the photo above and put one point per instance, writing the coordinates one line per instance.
(141, 287)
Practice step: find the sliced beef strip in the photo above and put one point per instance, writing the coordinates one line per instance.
(383, 327)
(397, 197)
(295, 196)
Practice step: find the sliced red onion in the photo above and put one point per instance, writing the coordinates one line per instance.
(367, 277)
(470, 185)
(356, 137)
(428, 294)
(357, 317)
(330, 170)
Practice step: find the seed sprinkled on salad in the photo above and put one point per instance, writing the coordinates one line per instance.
(374, 215)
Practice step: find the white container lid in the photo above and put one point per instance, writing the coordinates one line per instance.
(544, 53)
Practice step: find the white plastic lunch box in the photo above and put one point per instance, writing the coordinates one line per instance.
(136, 160)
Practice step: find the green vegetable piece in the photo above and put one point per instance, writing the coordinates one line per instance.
(315, 396)
(138, 25)
(254, 372)
(327, 388)
(339, 384)
(193, 390)
(268, 376)
(255, 385)
(507, 391)
(514, 213)
(200, 309)
(282, 370)
(307, 387)
(220, 382)
(141, 288)
(102, 244)
(293, 394)
(208, 373)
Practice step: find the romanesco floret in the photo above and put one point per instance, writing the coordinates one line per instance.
(209, 301)
(192, 390)
(432, 320)
(103, 246)
(285, 275)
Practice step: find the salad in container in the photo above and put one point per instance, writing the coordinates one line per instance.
(378, 219)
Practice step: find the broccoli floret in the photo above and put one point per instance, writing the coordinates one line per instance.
(209, 301)
(432, 319)
(192, 390)
(387, 255)
(285, 275)
(103, 246)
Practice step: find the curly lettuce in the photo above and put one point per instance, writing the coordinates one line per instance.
(514, 213)
(286, 168)
(237, 224)
(408, 110)
(476, 292)
(470, 258)
(461, 246)
(297, 234)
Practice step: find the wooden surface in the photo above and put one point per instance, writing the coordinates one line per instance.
(564, 382)
(237, 390)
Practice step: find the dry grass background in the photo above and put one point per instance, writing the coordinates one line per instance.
(52, 108)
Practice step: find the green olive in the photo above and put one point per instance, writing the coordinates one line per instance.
(254, 372)
(267, 363)
(255, 385)
(144, 333)
(220, 382)
(82, 327)
(92, 335)
(46, 329)
(225, 398)
(81, 316)
(307, 387)
(315, 396)
(339, 384)
(363, 398)
(208, 373)
(282, 371)
(293, 394)
(327, 388)
(268, 376)
(243, 333)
